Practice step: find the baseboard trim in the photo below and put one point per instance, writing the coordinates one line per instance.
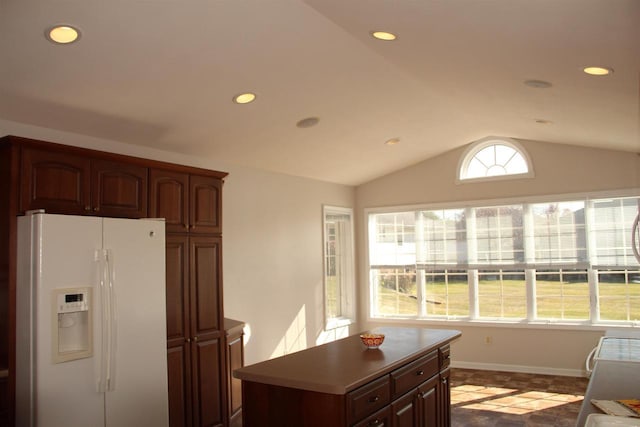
(540, 370)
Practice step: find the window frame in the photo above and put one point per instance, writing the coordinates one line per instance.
(593, 323)
(347, 298)
(474, 148)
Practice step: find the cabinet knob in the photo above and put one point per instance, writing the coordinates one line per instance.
(195, 339)
(373, 399)
(420, 372)
(96, 209)
(374, 422)
(188, 339)
(87, 208)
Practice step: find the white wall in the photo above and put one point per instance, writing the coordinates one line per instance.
(272, 244)
(559, 169)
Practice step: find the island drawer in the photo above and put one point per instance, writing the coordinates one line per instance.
(445, 356)
(368, 399)
(413, 374)
(381, 418)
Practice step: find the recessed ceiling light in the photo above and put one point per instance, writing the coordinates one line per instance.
(308, 122)
(383, 35)
(597, 71)
(244, 98)
(392, 141)
(62, 34)
(538, 84)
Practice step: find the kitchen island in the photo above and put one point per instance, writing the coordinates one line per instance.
(405, 382)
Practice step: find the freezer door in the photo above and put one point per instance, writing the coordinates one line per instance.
(54, 251)
(139, 395)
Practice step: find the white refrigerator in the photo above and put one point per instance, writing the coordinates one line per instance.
(91, 326)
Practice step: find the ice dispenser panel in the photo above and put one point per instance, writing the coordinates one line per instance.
(72, 337)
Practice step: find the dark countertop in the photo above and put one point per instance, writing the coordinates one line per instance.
(232, 326)
(343, 365)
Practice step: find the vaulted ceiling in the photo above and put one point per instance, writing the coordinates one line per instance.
(163, 73)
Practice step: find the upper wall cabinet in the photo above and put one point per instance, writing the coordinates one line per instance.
(187, 202)
(61, 182)
(57, 182)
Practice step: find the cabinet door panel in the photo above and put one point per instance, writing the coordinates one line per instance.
(444, 399)
(235, 357)
(208, 377)
(177, 285)
(179, 378)
(119, 189)
(169, 198)
(55, 181)
(206, 289)
(404, 412)
(205, 204)
(428, 406)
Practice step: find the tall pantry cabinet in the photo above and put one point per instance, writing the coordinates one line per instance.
(71, 180)
(191, 206)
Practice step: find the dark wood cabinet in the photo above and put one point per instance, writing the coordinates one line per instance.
(234, 331)
(205, 213)
(178, 331)
(196, 351)
(55, 181)
(71, 180)
(189, 203)
(60, 182)
(169, 199)
(207, 335)
(118, 189)
(444, 398)
(195, 337)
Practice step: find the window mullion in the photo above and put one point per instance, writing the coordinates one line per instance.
(594, 298)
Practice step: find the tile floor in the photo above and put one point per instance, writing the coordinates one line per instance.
(507, 399)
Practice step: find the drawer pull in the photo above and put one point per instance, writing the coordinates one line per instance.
(373, 399)
(375, 422)
(420, 372)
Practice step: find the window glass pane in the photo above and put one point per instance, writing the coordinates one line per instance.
(562, 294)
(486, 156)
(502, 294)
(619, 294)
(613, 220)
(499, 235)
(338, 262)
(559, 232)
(493, 160)
(395, 291)
(332, 284)
(447, 293)
(504, 154)
(516, 165)
(443, 237)
(394, 241)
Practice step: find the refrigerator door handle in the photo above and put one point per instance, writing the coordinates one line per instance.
(112, 323)
(104, 320)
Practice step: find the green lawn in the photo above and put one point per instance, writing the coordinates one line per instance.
(566, 301)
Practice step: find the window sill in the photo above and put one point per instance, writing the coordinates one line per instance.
(338, 322)
(524, 324)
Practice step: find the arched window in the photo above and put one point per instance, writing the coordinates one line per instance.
(494, 158)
